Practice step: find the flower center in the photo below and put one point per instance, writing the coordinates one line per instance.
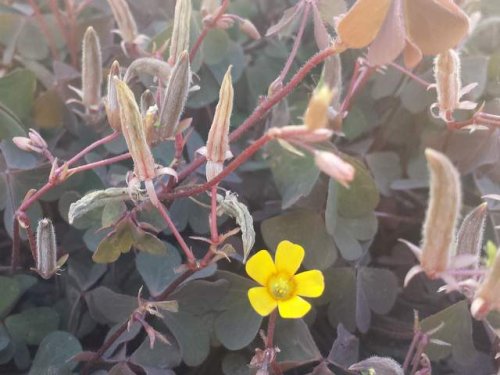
(281, 286)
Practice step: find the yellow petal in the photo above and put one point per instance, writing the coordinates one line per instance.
(288, 257)
(293, 308)
(260, 267)
(309, 283)
(261, 300)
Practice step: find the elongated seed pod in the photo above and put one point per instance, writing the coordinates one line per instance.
(91, 70)
(448, 83)
(111, 101)
(180, 32)
(470, 234)
(218, 137)
(316, 116)
(46, 249)
(175, 97)
(124, 19)
(442, 213)
(148, 65)
(487, 297)
(134, 132)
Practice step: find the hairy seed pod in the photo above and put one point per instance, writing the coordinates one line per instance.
(180, 32)
(487, 297)
(448, 83)
(470, 235)
(91, 70)
(111, 100)
(439, 227)
(334, 167)
(134, 133)
(147, 101)
(148, 65)
(217, 149)
(316, 115)
(46, 249)
(175, 97)
(124, 19)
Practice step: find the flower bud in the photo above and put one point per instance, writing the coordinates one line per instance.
(174, 98)
(316, 116)
(33, 143)
(91, 70)
(180, 32)
(124, 19)
(487, 296)
(46, 250)
(134, 132)
(442, 214)
(217, 149)
(111, 100)
(249, 29)
(335, 167)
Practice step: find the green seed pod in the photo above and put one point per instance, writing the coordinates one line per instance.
(124, 19)
(111, 100)
(47, 263)
(217, 149)
(439, 230)
(180, 32)
(134, 132)
(174, 98)
(91, 70)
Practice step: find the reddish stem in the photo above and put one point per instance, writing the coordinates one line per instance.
(185, 248)
(86, 150)
(45, 29)
(213, 215)
(268, 103)
(410, 74)
(240, 159)
(16, 244)
(100, 163)
(296, 43)
(358, 81)
(72, 25)
(207, 27)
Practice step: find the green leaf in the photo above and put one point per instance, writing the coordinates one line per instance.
(32, 43)
(235, 364)
(54, 354)
(11, 292)
(296, 343)
(215, 46)
(380, 288)
(108, 307)
(456, 330)
(362, 195)
(386, 168)
(305, 228)
(348, 245)
(94, 200)
(10, 125)
(158, 271)
(331, 209)
(237, 324)
(361, 228)
(16, 92)
(161, 356)
(294, 176)
(192, 324)
(117, 242)
(32, 325)
(341, 293)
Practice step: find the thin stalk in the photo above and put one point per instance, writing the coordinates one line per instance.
(86, 150)
(213, 215)
(296, 43)
(185, 248)
(207, 27)
(100, 163)
(410, 74)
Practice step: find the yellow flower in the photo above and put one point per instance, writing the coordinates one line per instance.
(281, 287)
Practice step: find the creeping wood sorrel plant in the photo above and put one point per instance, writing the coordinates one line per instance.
(149, 149)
